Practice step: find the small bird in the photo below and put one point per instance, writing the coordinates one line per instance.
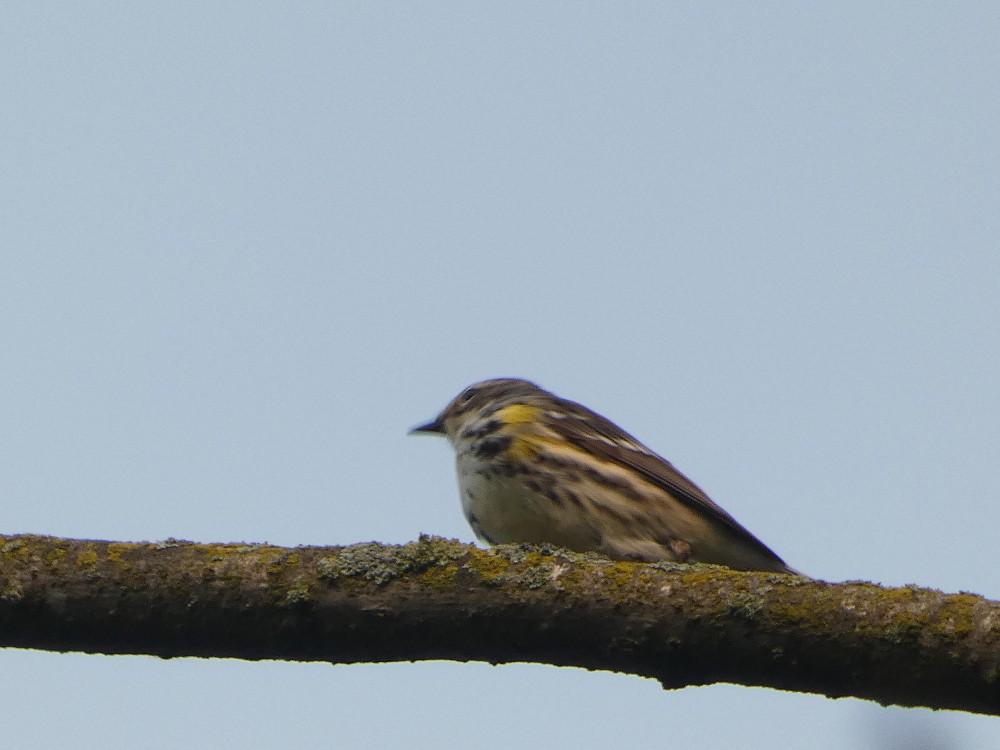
(534, 467)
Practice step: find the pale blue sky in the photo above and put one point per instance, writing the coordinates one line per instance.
(245, 247)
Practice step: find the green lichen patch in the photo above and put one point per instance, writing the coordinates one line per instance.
(115, 552)
(298, 593)
(282, 564)
(492, 569)
(12, 593)
(380, 563)
(743, 605)
(670, 567)
(530, 566)
(9, 548)
(87, 557)
(169, 544)
(538, 576)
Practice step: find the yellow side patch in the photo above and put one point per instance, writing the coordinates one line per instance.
(518, 414)
(520, 450)
(520, 424)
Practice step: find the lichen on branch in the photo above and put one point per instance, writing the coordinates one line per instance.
(440, 599)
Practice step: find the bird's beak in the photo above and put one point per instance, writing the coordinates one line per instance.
(435, 426)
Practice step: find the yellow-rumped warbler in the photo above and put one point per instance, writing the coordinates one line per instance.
(534, 467)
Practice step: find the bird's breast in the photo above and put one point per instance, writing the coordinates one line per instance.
(506, 505)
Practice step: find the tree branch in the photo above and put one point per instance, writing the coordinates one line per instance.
(439, 599)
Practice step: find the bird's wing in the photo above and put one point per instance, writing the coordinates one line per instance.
(579, 427)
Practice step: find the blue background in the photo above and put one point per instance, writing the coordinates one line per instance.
(246, 246)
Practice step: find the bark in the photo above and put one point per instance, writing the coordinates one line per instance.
(439, 599)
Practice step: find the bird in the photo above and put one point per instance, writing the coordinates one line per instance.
(537, 468)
